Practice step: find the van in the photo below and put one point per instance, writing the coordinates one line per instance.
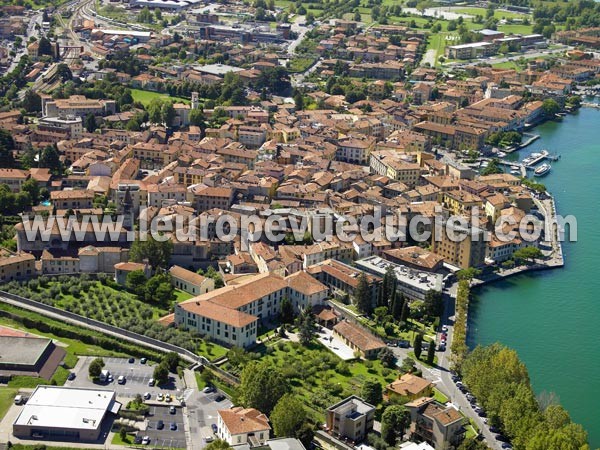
(18, 399)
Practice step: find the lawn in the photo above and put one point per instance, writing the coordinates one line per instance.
(116, 440)
(498, 14)
(297, 65)
(319, 377)
(439, 396)
(181, 296)
(515, 29)
(7, 396)
(211, 350)
(145, 97)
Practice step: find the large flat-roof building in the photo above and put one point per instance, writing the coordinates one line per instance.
(60, 412)
(31, 356)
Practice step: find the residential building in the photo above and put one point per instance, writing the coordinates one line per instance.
(463, 247)
(125, 268)
(72, 199)
(77, 105)
(16, 266)
(409, 386)
(13, 178)
(439, 425)
(238, 426)
(352, 418)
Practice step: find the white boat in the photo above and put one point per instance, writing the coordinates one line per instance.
(500, 154)
(542, 170)
(514, 167)
(536, 155)
(515, 172)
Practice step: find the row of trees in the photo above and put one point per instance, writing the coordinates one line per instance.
(500, 381)
(459, 340)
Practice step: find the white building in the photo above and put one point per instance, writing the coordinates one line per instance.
(240, 426)
(60, 412)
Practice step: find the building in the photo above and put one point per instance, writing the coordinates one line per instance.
(351, 418)
(29, 356)
(470, 51)
(239, 426)
(190, 282)
(414, 257)
(73, 125)
(16, 266)
(101, 259)
(123, 269)
(394, 165)
(409, 386)
(13, 178)
(439, 425)
(72, 199)
(358, 339)
(413, 283)
(54, 412)
(461, 246)
(78, 106)
(230, 314)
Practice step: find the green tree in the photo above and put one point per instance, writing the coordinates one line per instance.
(155, 110)
(90, 123)
(171, 360)
(50, 159)
(431, 353)
(299, 101)
(397, 306)
(167, 112)
(197, 118)
(387, 357)
(33, 189)
(372, 392)
(123, 434)
(433, 302)
(528, 254)
(261, 386)
(362, 294)
(44, 46)
(418, 345)
(218, 444)
(136, 282)
(95, 367)
(288, 416)
(286, 314)
(32, 102)
(394, 420)
(307, 326)
(7, 145)
(550, 107)
(161, 374)
(158, 253)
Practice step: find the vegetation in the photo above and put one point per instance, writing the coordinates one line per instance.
(7, 396)
(394, 420)
(459, 341)
(261, 386)
(500, 381)
(289, 419)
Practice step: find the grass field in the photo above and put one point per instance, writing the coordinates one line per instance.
(300, 64)
(181, 296)
(7, 395)
(515, 29)
(145, 97)
(498, 14)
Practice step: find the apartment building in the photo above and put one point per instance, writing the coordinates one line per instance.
(351, 418)
(239, 426)
(16, 266)
(463, 247)
(392, 165)
(73, 199)
(440, 426)
(13, 178)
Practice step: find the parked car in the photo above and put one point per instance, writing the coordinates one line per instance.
(131, 360)
(167, 398)
(146, 440)
(160, 397)
(501, 438)
(71, 376)
(445, 329)
(214, 428)
(494, 429)
(160, 425)
(147, 396)
(172, 410)
(506, 446)
(208, 389)
(121, 379)
(173, 426)
(151, 382)
(219, 398)
(143, 360)
(138, 439)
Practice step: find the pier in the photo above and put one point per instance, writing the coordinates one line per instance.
(590, 105)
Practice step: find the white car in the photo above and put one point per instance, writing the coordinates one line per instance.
(160, 397)
(146, 440)
(147, 396)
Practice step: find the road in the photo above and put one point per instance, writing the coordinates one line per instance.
(301, 30)
(442, 376)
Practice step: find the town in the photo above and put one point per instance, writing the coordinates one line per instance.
(297, 135)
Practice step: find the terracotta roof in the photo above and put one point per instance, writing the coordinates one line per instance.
(219, 313)
(305, 284)
(409, 384)
(186, 275)
(129, 266)
(362, 339)
(239, 420)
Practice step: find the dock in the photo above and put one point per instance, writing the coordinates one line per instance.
(590, 105)
(539, 159)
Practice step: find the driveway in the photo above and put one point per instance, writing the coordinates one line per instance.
(335, 344)
(165, 437)
(201, 412)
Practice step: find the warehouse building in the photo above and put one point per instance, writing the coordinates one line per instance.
(65, 413)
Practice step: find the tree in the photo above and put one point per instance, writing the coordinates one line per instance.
(7, 145)
(90, 123)
(123, 434)
(306, 324)
(418, 345)
(362, 294)
(550, 107)
(32, 102)
(387, 357)
(197, 118)
(408, 365)
(171, 360)
(95, 367)
(63, 72)
(299, 101)
(357, 16)
(50, 159)
(286, 314)
(158, 253)
(372, 392)
(167, 112)
(155, 110)
(434, 305)
(397, 306)
(33, 189)
(431, 353)
(394, 420)
(136, 282)
(218, 444)
(288, 416)
(261, 386)
(468, 274)
(528, 254)
(44, 47)
(161, 374)
(405, 312)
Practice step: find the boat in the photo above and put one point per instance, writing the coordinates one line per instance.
(515, 168)
(542, 170)
(535, 155)
(515, 172)
(500, 154)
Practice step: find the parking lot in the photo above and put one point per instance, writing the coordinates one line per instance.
(165, 437)
(137, 376)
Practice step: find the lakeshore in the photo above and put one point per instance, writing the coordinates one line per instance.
(549, 317)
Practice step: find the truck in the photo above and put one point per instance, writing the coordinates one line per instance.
(104, 376)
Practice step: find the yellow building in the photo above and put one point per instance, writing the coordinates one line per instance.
(463, 247)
